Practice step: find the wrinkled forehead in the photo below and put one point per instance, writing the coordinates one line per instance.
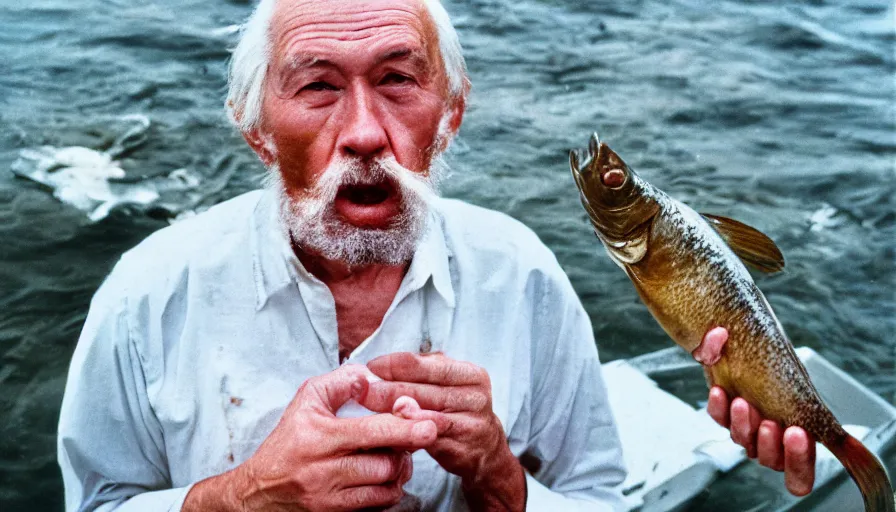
(302, 28)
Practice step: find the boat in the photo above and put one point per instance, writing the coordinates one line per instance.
(680, 459)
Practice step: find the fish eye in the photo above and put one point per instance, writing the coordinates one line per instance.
(614, 178)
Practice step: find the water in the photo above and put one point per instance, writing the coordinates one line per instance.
(780, 114)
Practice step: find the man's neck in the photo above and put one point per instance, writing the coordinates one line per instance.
(362, 295)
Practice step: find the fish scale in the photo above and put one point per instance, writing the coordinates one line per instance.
(687, 269)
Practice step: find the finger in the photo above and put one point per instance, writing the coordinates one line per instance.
(383, 431)
(427, 369)
(407, 468)
(369, 496)
(718, 406)
(449, 452)
(382, 396)
(799, 461)
(769, 445)
(407, 408)
(405, 405)
(455, 432)
(710, 349)
(745, 420)
(332, 390)
(362, 469)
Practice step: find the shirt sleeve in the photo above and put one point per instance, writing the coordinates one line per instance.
(572, 434)
(110, 444)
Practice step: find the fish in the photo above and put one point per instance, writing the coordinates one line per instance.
(689, 270)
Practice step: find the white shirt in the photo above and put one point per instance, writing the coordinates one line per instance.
(203, 333)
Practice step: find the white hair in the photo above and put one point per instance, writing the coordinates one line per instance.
(249, 64)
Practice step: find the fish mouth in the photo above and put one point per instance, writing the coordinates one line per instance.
(598, 160)
(580, 161)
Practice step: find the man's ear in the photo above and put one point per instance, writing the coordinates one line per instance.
(457, 114)
(257, 142)
(455, 117)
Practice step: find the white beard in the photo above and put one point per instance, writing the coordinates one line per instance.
(315, 227)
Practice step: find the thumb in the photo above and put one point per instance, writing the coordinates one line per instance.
(709, 351)
(408, 408)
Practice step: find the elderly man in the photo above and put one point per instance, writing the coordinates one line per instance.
(217, 355)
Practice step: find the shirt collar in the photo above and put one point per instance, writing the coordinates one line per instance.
(275, 265)
(432, 259)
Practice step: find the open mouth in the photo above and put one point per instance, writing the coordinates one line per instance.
(372, 205)
(365, 194)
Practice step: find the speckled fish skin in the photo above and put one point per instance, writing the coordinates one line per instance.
(692, 281)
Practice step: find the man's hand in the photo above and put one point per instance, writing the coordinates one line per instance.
(315, 461)
(457, 396)
(791, 450)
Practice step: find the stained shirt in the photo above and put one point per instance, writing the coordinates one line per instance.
(202, 334)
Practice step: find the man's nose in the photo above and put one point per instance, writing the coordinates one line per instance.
(364, 135)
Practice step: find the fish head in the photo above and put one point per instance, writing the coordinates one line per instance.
(618, 202)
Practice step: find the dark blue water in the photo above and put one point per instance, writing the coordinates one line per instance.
(780, 114)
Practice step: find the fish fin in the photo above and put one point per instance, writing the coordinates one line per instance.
(868, 473)
(750, 244)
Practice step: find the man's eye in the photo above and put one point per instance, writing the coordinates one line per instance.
(396, 79)
(318, 86)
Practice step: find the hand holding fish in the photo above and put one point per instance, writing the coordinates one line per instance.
(791, 451)
(457, 396)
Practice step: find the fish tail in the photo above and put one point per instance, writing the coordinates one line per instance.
(868, 473)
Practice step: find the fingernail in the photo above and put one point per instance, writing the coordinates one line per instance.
(717, 334)
(795, 440)
(357, 389)
(399, 406)
(401, 410)
(405, 406)
(722, 334)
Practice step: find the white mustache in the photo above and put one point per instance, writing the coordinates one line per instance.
(355, 171)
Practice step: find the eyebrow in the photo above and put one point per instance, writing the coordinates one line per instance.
(300, 62)
(416, 57)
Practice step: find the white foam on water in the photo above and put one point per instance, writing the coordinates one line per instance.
(80, 177)
(87, 179)
(824, 218)
(227, 30)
